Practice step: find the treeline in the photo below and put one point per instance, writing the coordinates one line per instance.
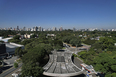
(6, 33)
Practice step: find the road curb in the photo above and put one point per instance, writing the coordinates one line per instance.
(79, 59)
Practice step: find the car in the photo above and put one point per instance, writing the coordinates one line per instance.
(9, 56)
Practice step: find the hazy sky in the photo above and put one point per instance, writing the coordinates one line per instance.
(57, 13)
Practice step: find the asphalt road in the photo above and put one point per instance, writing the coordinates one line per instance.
(8, 67)
(5, 73)
(11, 60)
(77, 62)
(8, 63)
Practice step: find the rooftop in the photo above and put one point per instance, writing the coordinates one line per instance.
(60, 64)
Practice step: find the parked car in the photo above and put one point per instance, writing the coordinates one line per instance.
(9, 56)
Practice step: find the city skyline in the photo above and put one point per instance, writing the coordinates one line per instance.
(80, 14)
(39, 28)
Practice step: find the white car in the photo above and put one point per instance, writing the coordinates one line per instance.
(9, 56)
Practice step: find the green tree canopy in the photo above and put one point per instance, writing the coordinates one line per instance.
(19, 51)
(31, 69)
(16, 37)
(15, 65)
(75, 42)
(32, 62)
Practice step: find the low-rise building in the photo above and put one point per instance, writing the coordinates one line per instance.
(27, 36)
(7, 49)
(5, 39)
(51, 35)
(10, 47)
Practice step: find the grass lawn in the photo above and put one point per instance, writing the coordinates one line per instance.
(64, 48)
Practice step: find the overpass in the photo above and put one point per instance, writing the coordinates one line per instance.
(60, 64)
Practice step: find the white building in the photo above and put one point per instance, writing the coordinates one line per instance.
(39, 28)
(115, 44)
(27, 36)
(10, 47)
(5, 39)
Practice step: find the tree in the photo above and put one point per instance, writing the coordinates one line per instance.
(57, 44)
(33, 55)
(33, 62)
(111, 75)
(48, 48)
(105, 63)
(75, 42)
(33, 36)
(106, 42)
(15, 65)
(14, 40)
(67, 39)
(19, 51)
(16, 37)
(31, 69)
(26, 41)
(113, 67)
(1, 41)
(89, 42)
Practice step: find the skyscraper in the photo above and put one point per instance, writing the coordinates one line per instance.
(24, 28)
(54, 29)
(17, 27)
(39, 29)
(74, 29)
(61, 29)
(36, 28)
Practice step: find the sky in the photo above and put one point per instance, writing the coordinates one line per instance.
(80, 14)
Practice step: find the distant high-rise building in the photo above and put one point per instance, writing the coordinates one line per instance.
(44, 29)
(54, 29)
(29, 29)
(39, 29)
(36, 28)
(17, 27)
(74, 29)
(58, 29)
(33, 29)
(10, 28)
(24, 28)
(49, 29)
(61, 29)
